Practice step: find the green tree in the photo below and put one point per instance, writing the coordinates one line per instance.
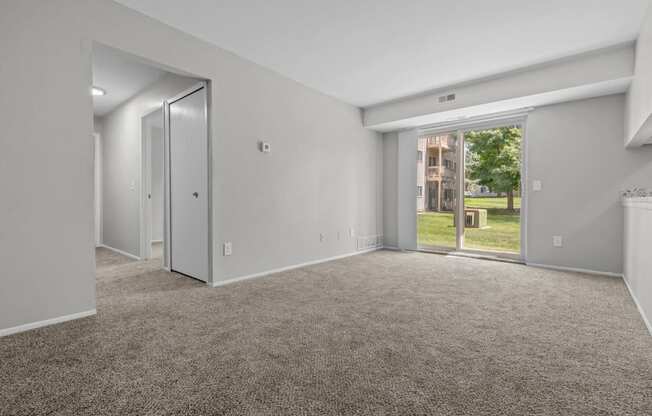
(494, 160)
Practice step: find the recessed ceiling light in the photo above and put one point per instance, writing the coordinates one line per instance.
(97, 91)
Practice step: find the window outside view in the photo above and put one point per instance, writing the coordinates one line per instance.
(492, 202)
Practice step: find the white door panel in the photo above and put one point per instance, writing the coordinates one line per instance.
(189, 185)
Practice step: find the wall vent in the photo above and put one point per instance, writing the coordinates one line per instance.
(446, 98)
(369, 242)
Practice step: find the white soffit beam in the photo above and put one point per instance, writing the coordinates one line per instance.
(603, 72)
(599, 89)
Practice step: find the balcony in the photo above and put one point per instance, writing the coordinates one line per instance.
(437, 173)
(447, 143)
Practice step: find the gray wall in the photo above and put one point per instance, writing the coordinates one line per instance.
(157, 171)
(121, 152)
(324, 173)
(576, 150)
(46, 166)
(407, 183)
(399, 185)
(390, 189)
(98, 125)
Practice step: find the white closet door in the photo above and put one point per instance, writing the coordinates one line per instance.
(189, 185)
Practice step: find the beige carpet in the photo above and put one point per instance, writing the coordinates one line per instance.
(105, 258)
(384, 333)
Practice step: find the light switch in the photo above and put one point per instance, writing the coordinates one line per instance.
(557, 241)
(536, 185)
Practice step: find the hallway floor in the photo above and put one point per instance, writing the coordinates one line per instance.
(380, 333)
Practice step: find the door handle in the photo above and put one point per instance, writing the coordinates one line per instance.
(195, 194)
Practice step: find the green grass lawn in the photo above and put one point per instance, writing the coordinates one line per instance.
(502, 232)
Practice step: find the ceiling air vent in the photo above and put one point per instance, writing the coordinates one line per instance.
(446, 98)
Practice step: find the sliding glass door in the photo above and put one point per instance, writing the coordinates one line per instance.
(469, 190)
(437, 194)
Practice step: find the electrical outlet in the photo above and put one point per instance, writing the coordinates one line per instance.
(536, 186)
(228, 248)
(265, 147)
(557, 241)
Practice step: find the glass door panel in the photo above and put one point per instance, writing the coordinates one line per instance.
(437, 184)
(492, 185)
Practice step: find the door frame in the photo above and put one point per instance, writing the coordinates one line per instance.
(97, 188)
(517, 118)
(146, 183)
(167, 205)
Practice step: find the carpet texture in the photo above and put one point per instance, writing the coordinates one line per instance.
(105, 258)
(384, 333)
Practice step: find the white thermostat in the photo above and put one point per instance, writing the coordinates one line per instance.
(265, 147)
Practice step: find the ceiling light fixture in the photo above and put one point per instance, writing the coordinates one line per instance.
(97, 91)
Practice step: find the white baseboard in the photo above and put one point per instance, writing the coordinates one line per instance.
(638, 306)
(157, 241)
(573, 269)
(124, 253)
(295, 266)
(47, 322)
(393, 248)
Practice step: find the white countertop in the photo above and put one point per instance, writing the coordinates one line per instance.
(638, 202)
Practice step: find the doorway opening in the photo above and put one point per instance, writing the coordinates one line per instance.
(469, 189)
(152, 235)
(133, 129)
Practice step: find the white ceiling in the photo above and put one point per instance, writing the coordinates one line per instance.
(121, 76)
(369, 51)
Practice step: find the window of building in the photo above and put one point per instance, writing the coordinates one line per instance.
(450, 164)
(419, 190)
(432, 161)
(419, 155)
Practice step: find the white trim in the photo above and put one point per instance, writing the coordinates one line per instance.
(145, 218)
(525, 193)
(97, 188)
(574, 269)
(286, 268)
(124, 253)
(486, 121)
(190, 90)
(638, 306)
(392, 248)
(47, 322)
